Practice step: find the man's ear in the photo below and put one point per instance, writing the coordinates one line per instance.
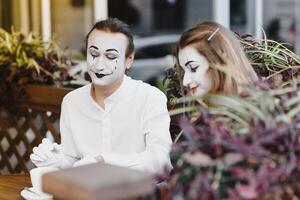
(129, 61)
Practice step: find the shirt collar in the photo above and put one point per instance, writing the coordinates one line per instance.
(119, 93)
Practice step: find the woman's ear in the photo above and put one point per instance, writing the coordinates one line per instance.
(129, 61)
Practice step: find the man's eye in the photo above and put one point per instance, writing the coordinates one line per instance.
(194, 69)
(94, 54)
(111, 56)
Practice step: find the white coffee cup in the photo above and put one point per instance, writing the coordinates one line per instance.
(36, 177)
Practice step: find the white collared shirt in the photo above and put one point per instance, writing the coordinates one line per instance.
(132, 131)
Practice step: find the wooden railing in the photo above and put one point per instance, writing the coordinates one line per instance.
(34, 119)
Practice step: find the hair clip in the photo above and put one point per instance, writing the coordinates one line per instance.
(213, 34)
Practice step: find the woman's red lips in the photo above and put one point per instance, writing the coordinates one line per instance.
(193, 88)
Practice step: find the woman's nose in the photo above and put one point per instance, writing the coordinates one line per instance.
(186, 79)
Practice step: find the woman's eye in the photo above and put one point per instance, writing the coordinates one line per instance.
(111, 56)
(194, 69)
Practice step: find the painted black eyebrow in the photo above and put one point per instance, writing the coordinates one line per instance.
(93, 47)
(108, 50)
(188, 62)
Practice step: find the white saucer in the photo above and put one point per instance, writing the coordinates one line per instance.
(31, 196)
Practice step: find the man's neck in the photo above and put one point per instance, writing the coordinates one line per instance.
(100, 93)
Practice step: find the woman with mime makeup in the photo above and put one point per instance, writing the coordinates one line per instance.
(213, 60)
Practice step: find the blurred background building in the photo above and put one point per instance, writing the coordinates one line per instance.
(157, 24)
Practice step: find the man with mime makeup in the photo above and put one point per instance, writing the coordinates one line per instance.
(115, 119)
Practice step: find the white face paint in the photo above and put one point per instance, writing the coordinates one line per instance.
(106, 57)
(195, 68)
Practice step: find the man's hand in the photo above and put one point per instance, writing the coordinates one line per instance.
(85, 161)
(47, 154)
(99, 158)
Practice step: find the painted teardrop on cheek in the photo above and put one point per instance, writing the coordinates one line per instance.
(116, 63)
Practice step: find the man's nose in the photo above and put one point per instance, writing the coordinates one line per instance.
(99, 65)
(186, 79)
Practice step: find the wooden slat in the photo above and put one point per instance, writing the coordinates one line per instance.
(50, 127)
(40, 108)
(15, 150)
(45, 95)
(23, 138)
(33, 127)
(4, 159)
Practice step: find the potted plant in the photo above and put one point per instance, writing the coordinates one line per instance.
(28, 60)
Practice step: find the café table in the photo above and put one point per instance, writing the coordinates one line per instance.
(12, 185)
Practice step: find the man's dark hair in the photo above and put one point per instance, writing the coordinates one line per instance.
(114, 25)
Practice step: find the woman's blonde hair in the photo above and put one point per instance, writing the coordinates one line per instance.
(229, 65)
